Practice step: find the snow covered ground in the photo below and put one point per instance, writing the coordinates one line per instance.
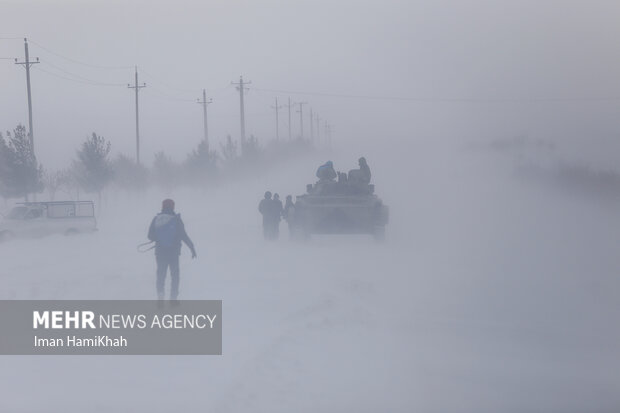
(491, 294)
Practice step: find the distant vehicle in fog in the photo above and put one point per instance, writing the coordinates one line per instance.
(345, 206)
(37, 219)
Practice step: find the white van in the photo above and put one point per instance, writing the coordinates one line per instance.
(37, 219)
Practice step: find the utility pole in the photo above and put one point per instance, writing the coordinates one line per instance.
(290, 134)
(318, 130)
(27, 64)
(276, 107)
(137, 89)
(241, 88)
(301, 117)
(328, 134)
(311, 125)
(204, 102)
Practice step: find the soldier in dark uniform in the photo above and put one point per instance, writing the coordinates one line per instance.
(277, 215)
(271, 216)
(365, 170)
(362, 175)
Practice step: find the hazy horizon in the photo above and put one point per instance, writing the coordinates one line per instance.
(483, 51)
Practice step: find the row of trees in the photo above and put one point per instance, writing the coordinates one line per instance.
(20, 173)
(93, 169)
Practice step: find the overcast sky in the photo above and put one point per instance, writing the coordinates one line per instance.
(404, 49)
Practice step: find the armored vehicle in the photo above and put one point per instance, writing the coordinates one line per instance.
(338, 207)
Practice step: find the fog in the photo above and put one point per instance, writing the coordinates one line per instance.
(492, 134)
(418, 50)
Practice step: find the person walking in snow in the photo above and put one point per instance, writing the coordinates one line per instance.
(277, 214)
(289, 207)
(168, 231)
(267, 208)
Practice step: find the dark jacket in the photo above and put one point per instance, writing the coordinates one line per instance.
(165, 218)
(270, 209)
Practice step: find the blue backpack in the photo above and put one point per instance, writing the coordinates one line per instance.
(166, 230)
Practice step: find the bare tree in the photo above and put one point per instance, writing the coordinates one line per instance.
(92, 168)
(201, 163)
(128, 174)
(229, 151)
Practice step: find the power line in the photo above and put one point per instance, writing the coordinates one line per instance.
(86, 80)
(161, 94)
(62, 77)
(168, 85)
(94, 82)
(325, 94)
(82, 82)
(452, 100)
(149, 75)
(79, 62)
(155, 91)
(177, 91)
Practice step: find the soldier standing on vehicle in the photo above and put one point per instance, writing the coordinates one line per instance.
(362, 175)
(365, 170)
(168, 231)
